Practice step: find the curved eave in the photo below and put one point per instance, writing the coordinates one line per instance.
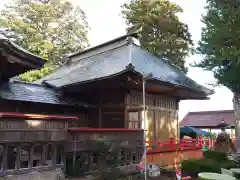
(35, 61)
(87, 81)
(198, 94)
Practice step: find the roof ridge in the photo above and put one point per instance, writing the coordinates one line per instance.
(75, 63)
(124, 37)
(212, 111)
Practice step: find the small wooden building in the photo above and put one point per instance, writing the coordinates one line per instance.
(97, 93)
(110, 76)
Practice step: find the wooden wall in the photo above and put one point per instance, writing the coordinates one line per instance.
(40, 108)
(161, 114)
(19, 130)
(111, 109)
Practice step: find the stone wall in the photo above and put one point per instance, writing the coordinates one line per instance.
(44, 175)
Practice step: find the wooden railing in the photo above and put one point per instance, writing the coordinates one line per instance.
(80, 138)
(82, 143)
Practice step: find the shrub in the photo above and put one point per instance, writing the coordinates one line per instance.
(215, 155)
(206, 165)
(197, 166)
(228, 164)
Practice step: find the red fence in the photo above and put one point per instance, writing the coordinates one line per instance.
(159, 146)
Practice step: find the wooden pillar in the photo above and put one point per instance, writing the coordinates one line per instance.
(64, 158)
(66, 130)
(44, 152)
(126, 100)
(100, 123)
(236, 107)
(5, 153)
(89, 161)
(18, 156)
(177, 116)
(54, 154)
(74, 152)
(31, 152)
(155, 129)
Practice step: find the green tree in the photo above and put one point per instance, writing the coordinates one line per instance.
(161, 31)
(49, 28)
(220, 46)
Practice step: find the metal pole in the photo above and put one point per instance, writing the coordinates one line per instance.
(144, 127)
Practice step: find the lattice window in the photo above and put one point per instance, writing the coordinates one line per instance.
(134, 120)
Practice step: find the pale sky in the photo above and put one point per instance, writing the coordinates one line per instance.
(106, 23)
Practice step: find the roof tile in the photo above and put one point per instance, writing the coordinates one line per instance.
(36, 93)
(208, 118)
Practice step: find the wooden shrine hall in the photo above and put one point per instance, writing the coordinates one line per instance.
(98, 93)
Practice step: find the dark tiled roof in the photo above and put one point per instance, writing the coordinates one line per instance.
(36, 93)
(208, 118)
(10, 47)
(113, 61)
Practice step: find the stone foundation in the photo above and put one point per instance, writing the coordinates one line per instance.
(44, 175)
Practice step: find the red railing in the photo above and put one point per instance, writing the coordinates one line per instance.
(159, 146)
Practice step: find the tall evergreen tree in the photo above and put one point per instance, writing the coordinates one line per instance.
(49, 28)
(220, 46)
(160, 30)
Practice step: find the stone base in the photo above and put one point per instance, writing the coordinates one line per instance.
(44, 175)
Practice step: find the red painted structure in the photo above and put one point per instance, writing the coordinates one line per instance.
(170, 153)
(160, 146)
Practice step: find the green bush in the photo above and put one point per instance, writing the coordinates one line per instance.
(228, 164)
(215, 155)
(206, 165)
(197, 166)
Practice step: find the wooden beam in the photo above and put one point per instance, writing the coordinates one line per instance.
(139, 108)
(36, 116)
(121, 105)
(103, 129)
(112, 113)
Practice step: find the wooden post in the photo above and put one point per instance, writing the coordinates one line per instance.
(54, 154)
(155, 129)
(64, 158)
(5, 153)
(44, 152)
(201, 141)
(89, 161)
(126, 100)
(31, 152)
(18, 156)
(100, 123)
(171, 144)
(236, 107)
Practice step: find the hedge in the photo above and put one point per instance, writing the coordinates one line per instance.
(215, 155)
(206, 165)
